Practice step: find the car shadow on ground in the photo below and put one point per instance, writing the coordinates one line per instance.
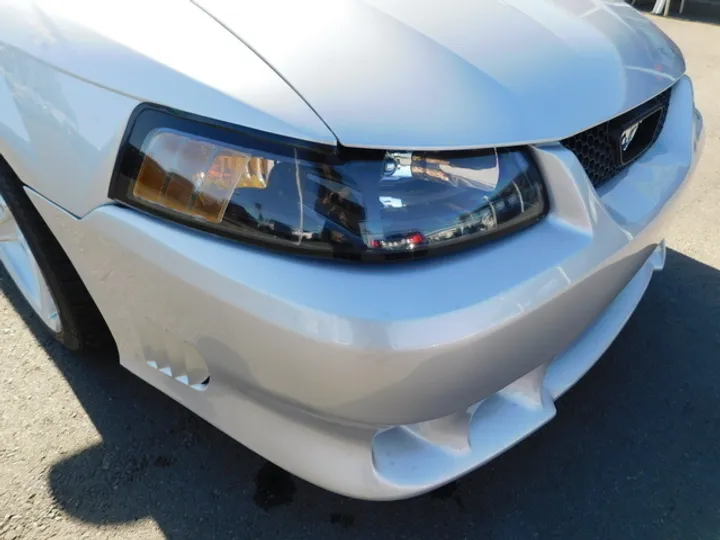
(633, 452)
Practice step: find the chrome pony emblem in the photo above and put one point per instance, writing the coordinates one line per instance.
(627, 136)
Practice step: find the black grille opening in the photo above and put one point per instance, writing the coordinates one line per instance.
(600, 149)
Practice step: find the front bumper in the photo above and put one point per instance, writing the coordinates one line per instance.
(383, 382)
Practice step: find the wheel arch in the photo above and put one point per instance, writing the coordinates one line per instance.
(87, 329)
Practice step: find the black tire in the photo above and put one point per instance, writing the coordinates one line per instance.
(83, 327)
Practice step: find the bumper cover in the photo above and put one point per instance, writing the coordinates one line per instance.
(385, 382)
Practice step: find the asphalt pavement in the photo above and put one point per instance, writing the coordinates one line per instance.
(89, 451)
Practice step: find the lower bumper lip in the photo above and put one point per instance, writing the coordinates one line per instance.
(419, 457)
(327, 357)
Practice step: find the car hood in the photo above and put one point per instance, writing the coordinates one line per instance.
(420, 74)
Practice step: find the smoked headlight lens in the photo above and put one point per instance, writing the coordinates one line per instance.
(337, 202)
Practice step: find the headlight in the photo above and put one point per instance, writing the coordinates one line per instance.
(337, 202)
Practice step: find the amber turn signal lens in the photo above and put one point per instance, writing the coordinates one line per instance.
(195, 177)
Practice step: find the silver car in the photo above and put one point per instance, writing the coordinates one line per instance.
(372, 240)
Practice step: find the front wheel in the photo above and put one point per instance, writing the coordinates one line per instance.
(18, 259)
(42, 272)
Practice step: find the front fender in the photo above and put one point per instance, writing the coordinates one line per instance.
(59, 134)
